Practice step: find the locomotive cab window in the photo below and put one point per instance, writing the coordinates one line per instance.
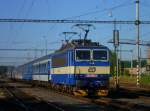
(83, 55)
(100, 55)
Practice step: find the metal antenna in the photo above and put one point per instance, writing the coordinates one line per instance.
(85, 28)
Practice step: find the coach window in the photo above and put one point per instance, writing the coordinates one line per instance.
(83, 55)
(100, 55)
(59, 61)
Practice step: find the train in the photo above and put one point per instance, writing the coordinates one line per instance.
(80, 67)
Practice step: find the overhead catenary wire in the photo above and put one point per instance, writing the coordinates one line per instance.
(18, 16)
(19, 13)
(2, 57)
(53, 26)
(21, 8)
(146, 4)
(26, 49)
(30, 8)
(26, 15)
(71, 21)
(126, 3)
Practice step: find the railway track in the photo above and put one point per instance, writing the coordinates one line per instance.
(60, 101)
(18, 101)
(111, 103)
(121, 99)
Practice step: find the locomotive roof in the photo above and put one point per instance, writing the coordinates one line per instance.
(79, 43)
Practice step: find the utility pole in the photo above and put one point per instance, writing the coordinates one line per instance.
(131, 59)
(120, 61)
(116, 44)
(137, 23)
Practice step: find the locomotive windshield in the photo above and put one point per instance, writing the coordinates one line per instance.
(83, 55)
(99, 55)
(87, 55)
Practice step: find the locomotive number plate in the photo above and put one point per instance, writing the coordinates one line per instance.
(91, 75)
(92, 69)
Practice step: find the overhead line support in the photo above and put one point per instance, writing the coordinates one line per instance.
(138, 40)
(72, 21)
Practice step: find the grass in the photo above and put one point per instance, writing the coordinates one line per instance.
(144, 79)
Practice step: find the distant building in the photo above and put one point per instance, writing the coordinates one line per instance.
(133, 71)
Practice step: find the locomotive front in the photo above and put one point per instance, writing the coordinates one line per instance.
(92, 69)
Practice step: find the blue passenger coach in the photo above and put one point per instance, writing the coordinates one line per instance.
(41, 68)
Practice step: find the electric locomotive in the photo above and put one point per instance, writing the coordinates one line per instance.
(82, 67)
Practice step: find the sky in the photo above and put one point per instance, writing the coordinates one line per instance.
(35, 35)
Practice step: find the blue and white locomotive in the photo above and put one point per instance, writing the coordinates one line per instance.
(81, 67)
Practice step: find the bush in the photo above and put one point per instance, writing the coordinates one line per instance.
(145, 79)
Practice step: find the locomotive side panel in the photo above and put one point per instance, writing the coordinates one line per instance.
(62, 70)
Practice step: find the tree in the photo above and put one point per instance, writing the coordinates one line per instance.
(3, 70)
(112, 59)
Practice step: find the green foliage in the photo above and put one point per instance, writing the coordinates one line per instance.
(127, 64)
(124, 64)
(143, 63)
(145, 79)
(112, 59)
(126, 73)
